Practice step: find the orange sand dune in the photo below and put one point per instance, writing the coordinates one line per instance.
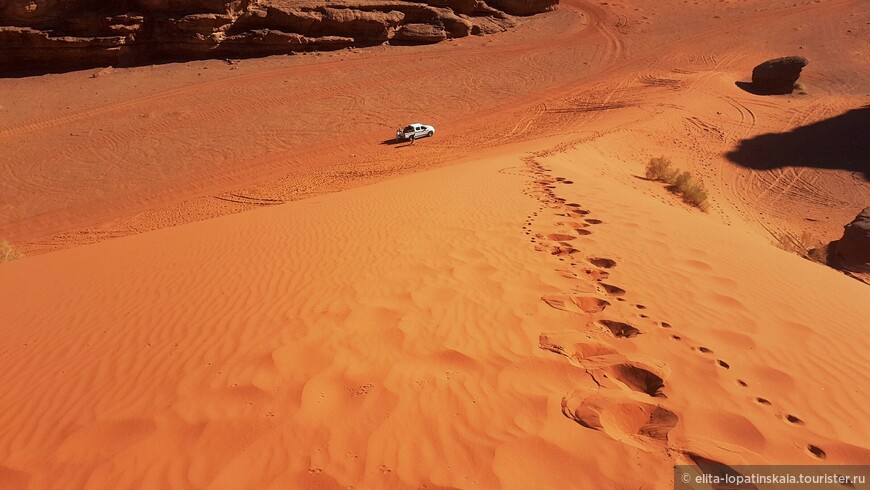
(410, 333)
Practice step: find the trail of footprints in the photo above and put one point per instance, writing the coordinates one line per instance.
(629, 401)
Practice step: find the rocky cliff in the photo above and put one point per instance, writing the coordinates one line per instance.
(52, 35)
(852, 252)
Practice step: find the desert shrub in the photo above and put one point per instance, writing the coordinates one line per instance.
(660, 168)
(680, 182)
(694, 193)
(7, 252)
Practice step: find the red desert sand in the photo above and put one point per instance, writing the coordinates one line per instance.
(507, 304)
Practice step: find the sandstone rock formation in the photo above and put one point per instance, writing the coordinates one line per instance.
(56, 35)
(853, 250)
(420, 34)
(778, 76)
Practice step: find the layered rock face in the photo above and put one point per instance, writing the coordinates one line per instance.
(853, 250)
(64, 34)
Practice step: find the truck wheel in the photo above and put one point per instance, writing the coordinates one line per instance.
(430, 133)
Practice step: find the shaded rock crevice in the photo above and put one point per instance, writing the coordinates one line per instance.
(57, 35)
(852, 251)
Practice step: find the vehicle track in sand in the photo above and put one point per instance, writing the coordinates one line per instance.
(246, 129)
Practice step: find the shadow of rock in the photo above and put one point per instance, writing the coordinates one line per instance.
(721, 471)
(755, 90)
(840, 142)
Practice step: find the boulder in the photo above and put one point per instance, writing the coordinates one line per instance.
(419, 34)
(778, 76)
(286, 19)
(853, 250)
(365, 27)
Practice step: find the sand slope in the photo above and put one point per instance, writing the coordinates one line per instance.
(462, 327)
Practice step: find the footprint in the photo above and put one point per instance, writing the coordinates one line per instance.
(620, 329)
(602, 262)
(613, 290)
(723, 364)
(705, 350)
(624, 419)
(665, 325)
(559, 237)
(583, 353)
(816, 451)
(576, 304)
(742, 383)
(594, 221)
(608, 368)
(582, 232)
(637, 378)
(762, 401)
(792, 419)
(557, 250)
(597, 274)
(563, 250)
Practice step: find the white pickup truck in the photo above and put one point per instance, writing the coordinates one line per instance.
(414, 131)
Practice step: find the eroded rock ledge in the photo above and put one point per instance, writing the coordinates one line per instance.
(56, 35)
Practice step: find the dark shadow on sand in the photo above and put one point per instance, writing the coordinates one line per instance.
(146, 54)
(756, 90)
(721, 471)
(753, 89)
(841, 142)
(396, 143)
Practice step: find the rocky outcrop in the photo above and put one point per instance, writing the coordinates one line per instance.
(420, 34)
(778, 76)
(57, 35)
(853, 250)
(25, 46)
